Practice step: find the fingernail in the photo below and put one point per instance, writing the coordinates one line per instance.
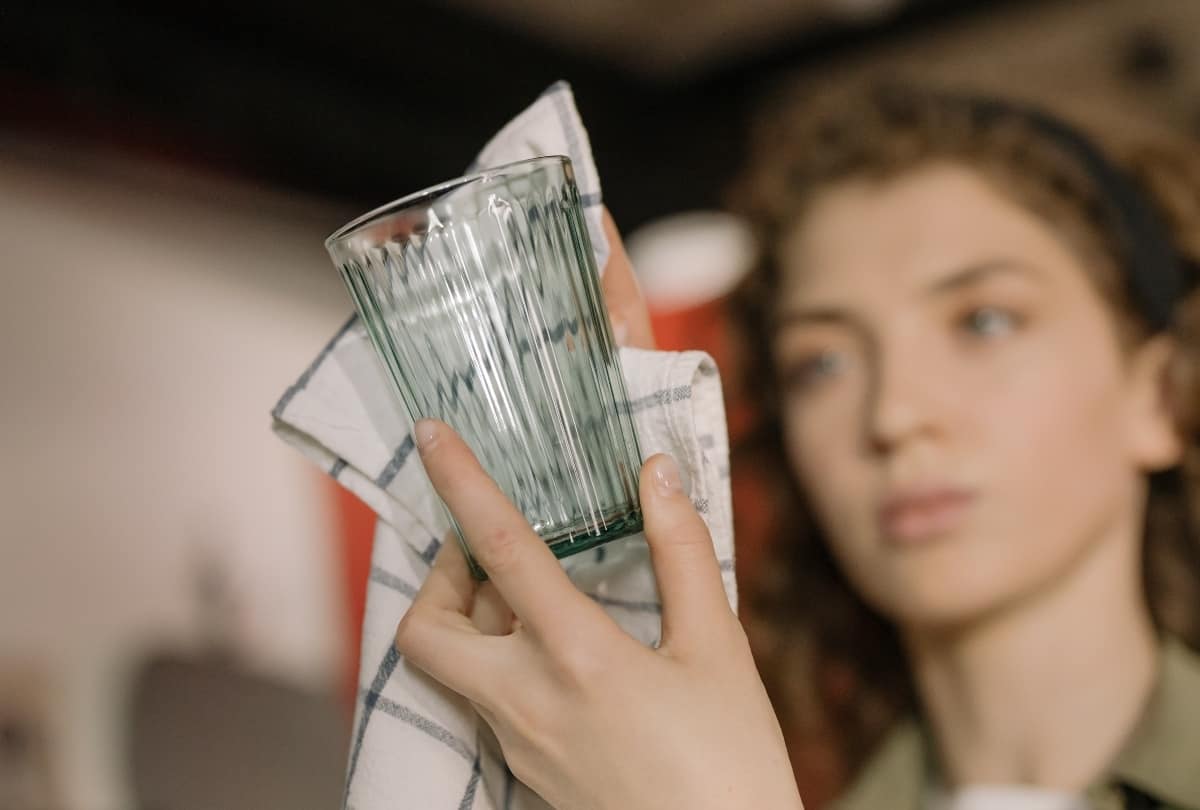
(666, 476)
(425, 433)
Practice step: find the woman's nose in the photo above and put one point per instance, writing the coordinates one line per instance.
(906, 397)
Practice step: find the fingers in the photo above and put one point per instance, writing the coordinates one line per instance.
(456, 590)
(436, 633)
(490, 613)
(517, 561)
(626, 306)
(689, 577)
(449, 586)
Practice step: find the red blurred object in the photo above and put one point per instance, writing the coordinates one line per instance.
(355, 536)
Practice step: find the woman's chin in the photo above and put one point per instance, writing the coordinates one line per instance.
(940, 587)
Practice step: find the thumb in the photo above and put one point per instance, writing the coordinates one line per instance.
(681, 549)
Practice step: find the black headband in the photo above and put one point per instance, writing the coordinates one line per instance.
(1154, 269)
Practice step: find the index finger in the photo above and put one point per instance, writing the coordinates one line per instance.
(520, 564)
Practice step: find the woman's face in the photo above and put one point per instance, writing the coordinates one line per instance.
(957, 404)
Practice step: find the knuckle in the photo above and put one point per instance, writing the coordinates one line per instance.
(408, 631)
(691, 532)
(685, 536)
(498, 549)
(582, 667)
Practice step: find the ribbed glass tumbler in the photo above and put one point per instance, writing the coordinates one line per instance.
(482, 298)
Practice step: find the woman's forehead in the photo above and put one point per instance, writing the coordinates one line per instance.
(865, 237)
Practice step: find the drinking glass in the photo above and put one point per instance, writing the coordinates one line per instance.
(482, 299)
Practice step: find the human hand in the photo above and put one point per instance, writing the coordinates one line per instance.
(587, 716)
(623, 298)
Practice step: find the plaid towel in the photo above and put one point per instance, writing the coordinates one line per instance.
(416, 745)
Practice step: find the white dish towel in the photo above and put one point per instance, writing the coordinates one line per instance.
(415, 745)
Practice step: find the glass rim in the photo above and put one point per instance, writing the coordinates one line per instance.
(430, 193)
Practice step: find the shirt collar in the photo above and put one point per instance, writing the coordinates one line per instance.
(896, 774)
(1161, 757)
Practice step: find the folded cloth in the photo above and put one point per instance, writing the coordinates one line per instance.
(415, 744)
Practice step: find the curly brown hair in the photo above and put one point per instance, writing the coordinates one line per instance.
(835, 667)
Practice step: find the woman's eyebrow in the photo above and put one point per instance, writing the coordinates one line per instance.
(979, 272)
(846, 321)
(957, 280)
(811, 316)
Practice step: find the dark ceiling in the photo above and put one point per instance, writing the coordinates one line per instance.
(366, 101)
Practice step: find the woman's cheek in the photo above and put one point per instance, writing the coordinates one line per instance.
(821, 450)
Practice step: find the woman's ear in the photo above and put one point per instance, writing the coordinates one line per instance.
(1154, 440)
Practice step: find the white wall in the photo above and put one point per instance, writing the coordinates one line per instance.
(149, 319)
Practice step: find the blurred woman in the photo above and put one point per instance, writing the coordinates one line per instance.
(983, 356)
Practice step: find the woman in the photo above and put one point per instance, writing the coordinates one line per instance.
(984, 355)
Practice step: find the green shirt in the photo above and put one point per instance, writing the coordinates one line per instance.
(1161, 758)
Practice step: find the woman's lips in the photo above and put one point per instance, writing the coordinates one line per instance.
(918, 515)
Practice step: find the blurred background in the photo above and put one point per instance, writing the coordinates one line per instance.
(180, 593)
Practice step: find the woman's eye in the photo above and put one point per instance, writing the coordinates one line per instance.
(813, 369)
(989, 322)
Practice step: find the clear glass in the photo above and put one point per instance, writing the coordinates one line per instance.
(483, 300)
